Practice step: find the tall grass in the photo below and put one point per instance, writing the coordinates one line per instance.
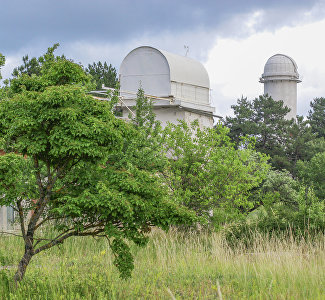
(173, 265)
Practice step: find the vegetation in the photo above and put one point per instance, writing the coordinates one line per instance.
(313, 173)
(206, 172)
(292, 194)
(251, 194)
(51, 132)
(33, 66)
(2, 62)
(316, 116)
(103, 74)
(181, 265)
(264, 119)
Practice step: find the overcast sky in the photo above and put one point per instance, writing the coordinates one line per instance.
(232, 38)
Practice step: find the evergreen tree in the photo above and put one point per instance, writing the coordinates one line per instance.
(103, 74)
(316, 116)
(35, 65)
(2, 62)
(264, 119)
(298, 143)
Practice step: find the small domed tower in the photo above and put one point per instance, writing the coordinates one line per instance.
(280, 80)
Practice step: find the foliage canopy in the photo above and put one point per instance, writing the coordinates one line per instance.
(2, 62)
(207, 172)
(70, 162)
(316, 116)
(103, 74)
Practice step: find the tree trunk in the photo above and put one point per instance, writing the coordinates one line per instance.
(22, 266)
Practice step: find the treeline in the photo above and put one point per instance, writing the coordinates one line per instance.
(76, 167)
(292, 195)
(101, 73)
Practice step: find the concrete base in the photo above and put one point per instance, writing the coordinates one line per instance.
(285, 91)
(173, 114)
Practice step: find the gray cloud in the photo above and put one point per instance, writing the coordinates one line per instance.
(107, 30)
(24, 23)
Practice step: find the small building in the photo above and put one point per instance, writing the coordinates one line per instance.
(179, 85)
(280, 80)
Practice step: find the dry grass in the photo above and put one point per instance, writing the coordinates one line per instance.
(173, 266)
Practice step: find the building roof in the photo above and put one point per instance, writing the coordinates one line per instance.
(186, 70)
(280, 66)
(181, 69)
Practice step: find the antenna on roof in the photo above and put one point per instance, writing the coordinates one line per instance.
(187, 48)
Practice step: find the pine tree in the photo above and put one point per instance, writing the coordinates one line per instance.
(103, 74)
(316, 116)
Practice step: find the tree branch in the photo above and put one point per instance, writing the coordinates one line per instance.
(10, 233)
(64, 237)
(44, 221)
(21, 219)
(38, 176)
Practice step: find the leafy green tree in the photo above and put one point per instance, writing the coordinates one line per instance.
(313, 173)
(285, 205)
(2, 62)
(278, 187)
(103, 74)
(65, 166)
(315, 146)
(3, 89)
(242, 123)
(207, 172)
(298, 143)
(316, 116)
(150, 138)
(35, 65)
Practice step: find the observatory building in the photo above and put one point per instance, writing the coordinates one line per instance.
(280, 80)
(179, 85)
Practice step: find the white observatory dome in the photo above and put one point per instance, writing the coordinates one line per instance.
(280, 67)
(164, 74)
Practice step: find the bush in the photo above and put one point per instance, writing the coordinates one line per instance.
(288, 208)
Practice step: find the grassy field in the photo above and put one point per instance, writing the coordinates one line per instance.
(172, 266)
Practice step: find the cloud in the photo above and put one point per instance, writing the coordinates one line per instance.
(89, 31)
(114, 53)
(85, 52)
(235, 65)
(233, 38)
(117, 21)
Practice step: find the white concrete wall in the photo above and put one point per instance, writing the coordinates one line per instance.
(164, 115)
(169, 114)
(190, 93)
(283, 90)
(3, 218)
(204, 121)
(173, 114)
